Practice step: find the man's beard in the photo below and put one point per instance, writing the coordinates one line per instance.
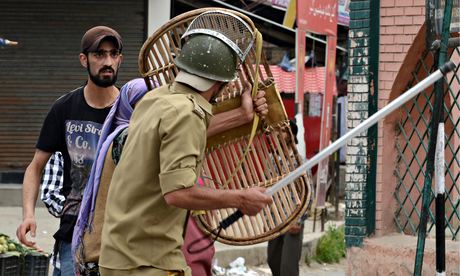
(103, 82)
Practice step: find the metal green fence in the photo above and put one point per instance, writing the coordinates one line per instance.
(412, 146)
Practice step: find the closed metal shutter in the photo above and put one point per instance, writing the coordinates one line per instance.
(45, 64)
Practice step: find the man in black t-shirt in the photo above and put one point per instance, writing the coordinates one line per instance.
(73, 127)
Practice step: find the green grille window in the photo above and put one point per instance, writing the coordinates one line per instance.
(412, 147)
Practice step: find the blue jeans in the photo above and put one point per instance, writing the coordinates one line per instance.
(65, 259)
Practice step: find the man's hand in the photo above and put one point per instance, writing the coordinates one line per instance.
(253, 200)
(295, 228)
(221, 122)
(258, 104)
(27, 225)
(30, 189)
(11, 42)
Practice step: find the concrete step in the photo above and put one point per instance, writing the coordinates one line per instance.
(11, 196)
(256, 254)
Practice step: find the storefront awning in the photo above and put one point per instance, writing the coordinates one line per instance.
(314, 80)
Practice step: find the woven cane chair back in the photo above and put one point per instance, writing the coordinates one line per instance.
(271, 156)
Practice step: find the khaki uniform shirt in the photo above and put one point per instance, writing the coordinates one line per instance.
(163, 153)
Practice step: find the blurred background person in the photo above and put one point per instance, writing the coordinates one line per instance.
(6, 42)
(283, 252)
(342, 103)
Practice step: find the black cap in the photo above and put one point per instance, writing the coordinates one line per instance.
(94, 36)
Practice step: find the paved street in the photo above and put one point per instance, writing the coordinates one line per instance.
(314, 269)
(11, 217)
(47, 225)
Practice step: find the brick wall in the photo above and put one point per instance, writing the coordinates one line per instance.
(399, 23)
(358, 90)
(400, 20)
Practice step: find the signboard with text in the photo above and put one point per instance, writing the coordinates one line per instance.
(343, 15)
(280, 3)
(344, 12)
(317, 16)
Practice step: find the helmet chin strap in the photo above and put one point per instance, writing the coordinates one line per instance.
(217, 91)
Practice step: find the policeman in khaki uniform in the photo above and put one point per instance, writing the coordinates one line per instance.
(154, 182)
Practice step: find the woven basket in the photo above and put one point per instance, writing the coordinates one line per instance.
(271, 155)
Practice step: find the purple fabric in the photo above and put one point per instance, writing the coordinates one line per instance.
(117, 120)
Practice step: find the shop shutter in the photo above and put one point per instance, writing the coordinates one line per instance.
(45, 64)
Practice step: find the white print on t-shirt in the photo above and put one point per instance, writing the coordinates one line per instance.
(81, 139)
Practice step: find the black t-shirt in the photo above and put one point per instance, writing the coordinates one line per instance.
(73, 128)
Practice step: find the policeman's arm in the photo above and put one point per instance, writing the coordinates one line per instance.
(249, 201)
(30, 188)
(239, 116)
